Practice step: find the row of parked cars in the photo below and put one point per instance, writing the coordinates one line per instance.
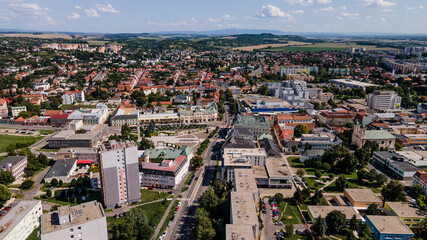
(5, 210)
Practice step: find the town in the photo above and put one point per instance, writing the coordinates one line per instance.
(116, 137)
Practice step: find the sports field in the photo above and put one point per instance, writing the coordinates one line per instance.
(6, 140)
(321, 47)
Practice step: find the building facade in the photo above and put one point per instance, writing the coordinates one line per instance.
(21, 220)
(383, 100)
(15, 165)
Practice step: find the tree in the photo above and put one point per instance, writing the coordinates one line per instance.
(73, 182)
(371, 146)
(48, 193)
(279, 197)
(393, 192)
(125, 131)
(27, 184)
(6, 177)
(320, 226)
(263, 90)
(5, 194)
(208, 200)
(300, 129)
(219, 188)
(340, 157)
(380, 179)
(315, 200)
(318, 173)
(363, 156)
(54, 182)
(300, 172)
(364, 230)
(341, 182)
(80, 181)
(146, 144)
(298, 196)
(354, 223)
(306, 193)
(336, 221)
(204, 229)
(373, 210)
(289, 230)
(196, 162)
(60, 183)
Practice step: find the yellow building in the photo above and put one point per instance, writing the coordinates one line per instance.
(408, 213)
(362, 198)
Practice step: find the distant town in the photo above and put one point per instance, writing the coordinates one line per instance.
(235, 137)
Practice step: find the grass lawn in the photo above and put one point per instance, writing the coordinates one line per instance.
(294, 162)
(33, 235)
(150, 195)
(312, 185)
(6, 140)
(332, 187)
(297, 237)
(46, 131)
(292, 215)
(92, 195)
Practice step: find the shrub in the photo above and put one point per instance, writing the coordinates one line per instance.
(27, 184)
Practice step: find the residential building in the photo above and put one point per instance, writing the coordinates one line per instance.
(3, 108)
(241, 158)
(167, 153)
(17, 110)
(89, 136)
(197, 114)
(243, 211)
(119, 173)
(86, 221)
(384, 139)
(167, 174)
(319, 141)
(295, 92)
(420, 178)
(412, 139)
(21, 220)
(273, 174)
(362, 198)
(182, 99)
(126, 114)
(257, 124)
(408, 213)
(14, 164)
(239, 232)
(383, 100)
(388, 228)
(62, 170)
(398, 165)
(244, 181)
(72, 97)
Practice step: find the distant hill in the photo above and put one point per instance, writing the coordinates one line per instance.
(231, 31)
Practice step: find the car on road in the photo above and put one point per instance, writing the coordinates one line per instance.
(170, 223)
(164, 234)
(279, 223)
(177, 208)
(179, 204)
(170, 192)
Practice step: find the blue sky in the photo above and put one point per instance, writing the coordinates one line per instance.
(112, 16)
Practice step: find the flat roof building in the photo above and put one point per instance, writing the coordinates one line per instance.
(409, 213)
(239, 232)
(241, 158)
(361, 198)
(90, 135)
(14, 164)
(316, 211)
(388, 227)
(86, 221)
(21, 220)
(243, 211)
(352, 83)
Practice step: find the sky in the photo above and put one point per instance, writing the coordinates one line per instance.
(139, 16)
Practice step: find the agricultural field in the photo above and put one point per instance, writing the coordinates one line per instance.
(271, 46)
(40, 36)
(320, 47)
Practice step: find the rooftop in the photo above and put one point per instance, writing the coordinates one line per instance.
(243, 209)
(389, 225)
(251, 121)
(406, 209)
(239, 232)
(13, 160)
(61, 168)
(353, 82)
(362, 195)
(276, 169)
(15, 215)
(168, 153)
(239, 156)
(378, 134)
(348, 211)
(76, 215)
(244, 180)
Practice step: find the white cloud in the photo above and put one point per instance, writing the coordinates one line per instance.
(324, 1)
(194, 20)
(350, 15)
(106, 8)
(29, 8)
(420, 7)
(343, 8)
(327, 9)
(226, 17)
(91, 13)
(300, 2)
(297, 11)
(50, 20)
(179, 23)
(4, 18)
(271, 11)
(378, 3)
(74, 15)
(78, 7)
(383, 20)
(387, 10)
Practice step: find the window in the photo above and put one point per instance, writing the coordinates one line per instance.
(71, 230)
(79, 228)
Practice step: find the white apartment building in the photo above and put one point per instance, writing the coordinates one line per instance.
(119, 173)
(383, 100)
(86, 221)
(234, 158)
(17, 110)
(167, 174)
(21, 220)
(319, 141)
(71, 97)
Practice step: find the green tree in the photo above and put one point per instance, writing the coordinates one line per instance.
(336, 221)
(364, 230)
(208, 200)
(394, 192)
(362, 156)
(306, 193)
(196, 162)
(125, 131)
(354, 223)
(320, 226)
(300, 129)
(5, 194)
(263, 90)
(300, 173)
(219, 188)
(60, 183)
(341, 182)
(204, 229)
(298, 198)
(279, 197)
(289, 230)
(48, 193)
(146, 144)
(73, 182)
(27, 184)
(318, 173)
(6, 177)
(373, 210)
(54, 182)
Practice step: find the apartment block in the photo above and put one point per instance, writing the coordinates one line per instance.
(14, 164)
(119, 173)
(21, 220)
(383, 100)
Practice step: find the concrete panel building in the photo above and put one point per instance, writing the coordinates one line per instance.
(14, 164)
(234, 158)
(388, 228)
(86, 221)
(21, 220)
(119, 173)
(408, 213)
(383, 100)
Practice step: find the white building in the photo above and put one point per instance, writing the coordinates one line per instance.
(71, 97)
(17, 110)
(234, 158)
(167, 174)
(86, 221)
(21, 220)
(119, 173)
(383, 100)
(319, 141)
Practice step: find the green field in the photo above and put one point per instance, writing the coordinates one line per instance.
(150, 195)
(6, 140)
(321, 47)
(46, 131)
(33, 235)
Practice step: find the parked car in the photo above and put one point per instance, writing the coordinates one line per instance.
(177, 208)
(279, 223)
(169, 223)
(150, 188)
(179, 204)
(164, 234)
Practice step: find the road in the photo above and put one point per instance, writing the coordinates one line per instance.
(38, 127)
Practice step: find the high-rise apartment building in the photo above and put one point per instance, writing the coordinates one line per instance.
(119, 173)
(382, 100)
